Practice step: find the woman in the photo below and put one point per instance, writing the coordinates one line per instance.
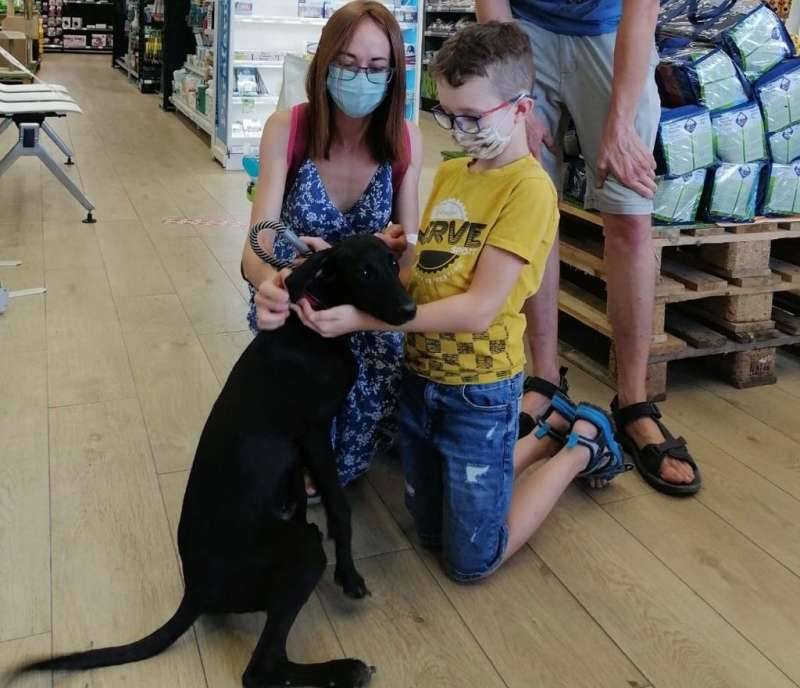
(356, 141)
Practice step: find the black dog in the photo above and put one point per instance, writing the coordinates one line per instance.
(243, 538)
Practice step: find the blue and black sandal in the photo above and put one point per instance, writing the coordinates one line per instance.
(606, 461)
(529, 423)
(562, 405)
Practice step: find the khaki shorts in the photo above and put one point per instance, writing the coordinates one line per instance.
(573, 78)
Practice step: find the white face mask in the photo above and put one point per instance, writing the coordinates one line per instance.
(486, 144)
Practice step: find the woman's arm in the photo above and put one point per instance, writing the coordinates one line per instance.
(269, 192)
(473, 311)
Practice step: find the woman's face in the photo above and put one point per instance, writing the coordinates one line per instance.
(368, 48)
(359, 78)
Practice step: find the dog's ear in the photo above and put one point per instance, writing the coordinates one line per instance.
(312, 269)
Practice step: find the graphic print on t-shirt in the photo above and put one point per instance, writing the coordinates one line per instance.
(450, 230)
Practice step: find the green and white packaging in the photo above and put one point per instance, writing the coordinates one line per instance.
(759, 41)
(686, 140)
(783, 190)
(677, 200)
(739, 134)
(717, 80)
(780, 101)
(734, 192)
(784, 145)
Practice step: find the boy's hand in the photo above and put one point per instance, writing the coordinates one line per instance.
(333, 322)
(394, 236)
(272, 302)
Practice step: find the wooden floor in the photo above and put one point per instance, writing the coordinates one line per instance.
(105, 384)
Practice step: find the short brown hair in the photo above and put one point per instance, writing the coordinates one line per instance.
(385, 132)
(499, 51)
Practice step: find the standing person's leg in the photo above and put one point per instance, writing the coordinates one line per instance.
(541, 310)
(630, 262)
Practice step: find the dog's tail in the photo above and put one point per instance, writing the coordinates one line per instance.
(153, 644)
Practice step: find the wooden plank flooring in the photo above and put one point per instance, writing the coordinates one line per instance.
(106, 381)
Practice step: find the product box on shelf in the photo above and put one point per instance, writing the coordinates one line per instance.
(75, 42)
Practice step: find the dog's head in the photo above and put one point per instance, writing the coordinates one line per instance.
(360, 271)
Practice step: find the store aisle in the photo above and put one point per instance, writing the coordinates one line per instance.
(105, 384)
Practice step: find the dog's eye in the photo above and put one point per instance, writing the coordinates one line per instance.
(368, 273)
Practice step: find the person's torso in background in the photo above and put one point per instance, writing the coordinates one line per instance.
(571, 17)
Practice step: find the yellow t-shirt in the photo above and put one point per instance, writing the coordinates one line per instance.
(514, 208)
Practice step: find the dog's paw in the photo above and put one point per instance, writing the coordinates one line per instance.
(351, 581)
(339, 673)
(350, 673)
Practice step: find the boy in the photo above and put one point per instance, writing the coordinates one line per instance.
(478, 260)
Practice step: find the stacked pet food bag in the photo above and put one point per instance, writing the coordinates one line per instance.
(728, 145)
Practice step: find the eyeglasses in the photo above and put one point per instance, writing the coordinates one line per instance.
(375, 75)
(469, 124)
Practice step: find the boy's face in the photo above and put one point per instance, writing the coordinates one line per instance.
(476, 96)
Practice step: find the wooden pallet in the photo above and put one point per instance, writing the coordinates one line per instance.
(717, 296)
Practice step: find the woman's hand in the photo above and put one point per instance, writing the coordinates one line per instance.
(333, 322)
(394, 236)
(272, 302)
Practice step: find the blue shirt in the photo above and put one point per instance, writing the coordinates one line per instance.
(571, 17)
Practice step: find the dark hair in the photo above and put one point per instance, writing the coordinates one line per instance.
(499, 51)
(385, 131)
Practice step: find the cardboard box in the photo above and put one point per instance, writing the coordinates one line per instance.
(30, 27)
(18, 45)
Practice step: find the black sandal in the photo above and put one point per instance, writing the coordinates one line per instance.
(648, 459)
(527, 423)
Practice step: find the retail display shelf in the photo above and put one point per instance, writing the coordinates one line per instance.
(124, 66)
(83, 2)
(298, 21)
(82, 31)
(87, 51)
(439, 34)
(263, 100)
(201, 120)
(442, 9)
(194, 70)
(258, 63)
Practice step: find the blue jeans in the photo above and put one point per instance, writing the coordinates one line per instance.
(457, 447)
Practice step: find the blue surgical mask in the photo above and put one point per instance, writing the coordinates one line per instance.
(356, 97)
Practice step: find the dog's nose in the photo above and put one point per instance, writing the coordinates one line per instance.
(408, 310)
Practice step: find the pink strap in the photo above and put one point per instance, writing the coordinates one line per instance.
(298, 140)
(400, 167)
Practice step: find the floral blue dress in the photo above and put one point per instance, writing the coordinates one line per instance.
(361, 426)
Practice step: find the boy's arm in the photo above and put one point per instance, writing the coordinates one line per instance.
(493, 10)
(496, 274)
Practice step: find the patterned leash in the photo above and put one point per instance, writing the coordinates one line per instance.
(279, 229)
